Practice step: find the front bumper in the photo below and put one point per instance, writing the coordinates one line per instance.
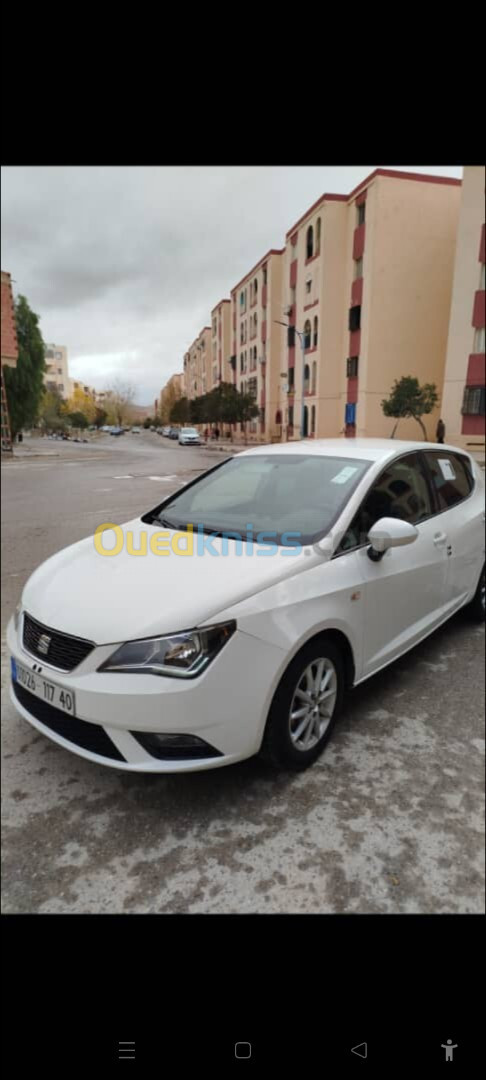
(226, 706)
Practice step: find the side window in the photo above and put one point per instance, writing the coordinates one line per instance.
(451, 478)
(401, 492)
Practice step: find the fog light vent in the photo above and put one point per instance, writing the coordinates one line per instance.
(174, 747)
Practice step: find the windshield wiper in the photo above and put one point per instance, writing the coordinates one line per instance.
(165, 521)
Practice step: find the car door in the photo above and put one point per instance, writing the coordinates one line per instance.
(405, 593)
(460, 506)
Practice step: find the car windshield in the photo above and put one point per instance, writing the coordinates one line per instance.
(277, 494)
(189, 431)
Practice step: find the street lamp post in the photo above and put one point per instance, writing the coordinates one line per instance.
(301, 337)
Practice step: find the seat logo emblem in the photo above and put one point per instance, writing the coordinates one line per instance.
(43, 644)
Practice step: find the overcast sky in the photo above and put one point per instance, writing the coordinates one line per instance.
(123, 264)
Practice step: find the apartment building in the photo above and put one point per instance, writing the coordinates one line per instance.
(173, 389)
(197, 365)
(56, 376)
(221, 367)
(256, 313)
(368, 286)
(463, 399)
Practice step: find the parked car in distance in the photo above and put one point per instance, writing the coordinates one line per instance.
(165, 430)
(135, 431)
(174, 433)
(117, 431)
(189, 436)
(369, 545)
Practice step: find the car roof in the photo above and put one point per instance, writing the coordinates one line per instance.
(367, 449)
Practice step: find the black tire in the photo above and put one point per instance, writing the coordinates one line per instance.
(476, 608)
(278, 748)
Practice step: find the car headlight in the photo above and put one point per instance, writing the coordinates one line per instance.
(181, 655)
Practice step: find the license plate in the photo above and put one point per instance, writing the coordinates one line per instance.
(43, 688)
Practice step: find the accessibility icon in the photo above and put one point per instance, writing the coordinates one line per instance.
(361, 1050)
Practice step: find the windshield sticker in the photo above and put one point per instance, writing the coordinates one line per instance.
(345, 475)
(446, 469)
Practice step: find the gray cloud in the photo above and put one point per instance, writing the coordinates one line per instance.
(123, 264)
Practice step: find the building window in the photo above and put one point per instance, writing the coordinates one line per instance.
(309, 243)
(291, 416)
(59, 371)
(358, 268)
(50, 354)
(291, 375)
(315, 334)
(313, 420)
(255, 288)
(308, 285)
(265, 275)
(474, 401)
(479, 340)
(351, 366)
(350, 413)
(307, 335)
(58, 355)
(306, 379)
(314, 378)
(243, 301)
(318, 236)
(355, 318)
(360, 216)
(252, 387)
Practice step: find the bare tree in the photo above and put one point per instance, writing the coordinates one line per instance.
(119, 398)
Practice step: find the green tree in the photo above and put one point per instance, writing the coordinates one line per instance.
(51, 411)
(78, 420)
(409, 399)
(180, 412)
(101, 416)
(24, 384)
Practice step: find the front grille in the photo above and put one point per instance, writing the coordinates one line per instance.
(64, 652)
(89, 736)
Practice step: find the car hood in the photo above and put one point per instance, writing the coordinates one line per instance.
(112, 598)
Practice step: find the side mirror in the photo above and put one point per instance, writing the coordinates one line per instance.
(387, 533)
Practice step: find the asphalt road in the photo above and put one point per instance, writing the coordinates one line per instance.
(389, 820)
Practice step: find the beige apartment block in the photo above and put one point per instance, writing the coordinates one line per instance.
(463, 399)
(221, 369)
(197, 365)
(257, 358)
(368, 285)
(173, 389)
(56, 376)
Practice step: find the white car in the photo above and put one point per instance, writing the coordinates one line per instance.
(270, 585)
(189, 436)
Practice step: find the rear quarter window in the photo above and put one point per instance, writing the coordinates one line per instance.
(451, 477)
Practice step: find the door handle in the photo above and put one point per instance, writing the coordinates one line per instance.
(440, 539)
